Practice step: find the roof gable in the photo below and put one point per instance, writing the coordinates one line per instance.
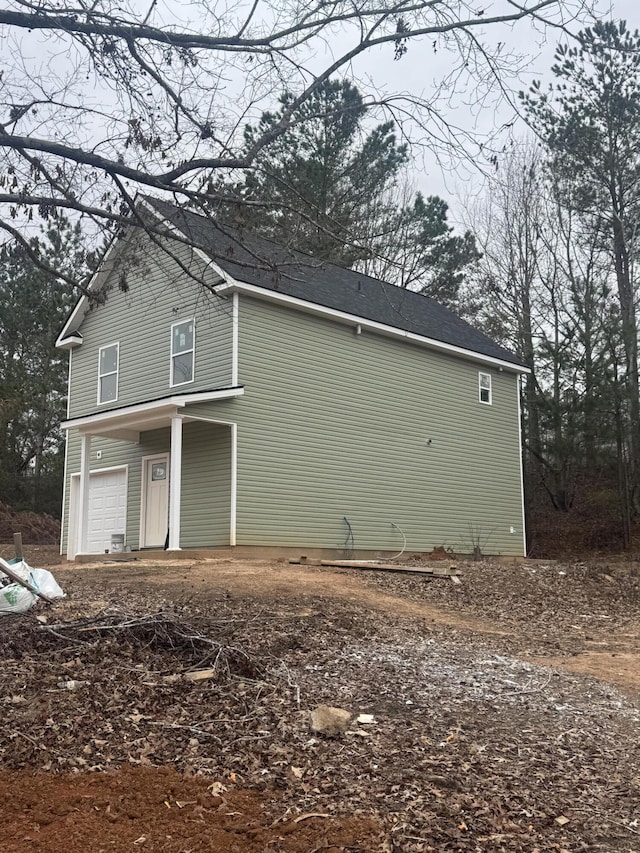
(247, 258)
(259, 262)
(70, 336)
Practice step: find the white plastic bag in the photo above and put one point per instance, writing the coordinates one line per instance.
(18, 567)
(46, 583)
(15, 599)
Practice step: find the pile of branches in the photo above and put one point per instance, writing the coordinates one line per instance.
(157, 632)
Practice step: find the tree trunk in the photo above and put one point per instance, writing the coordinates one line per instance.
(630, 340)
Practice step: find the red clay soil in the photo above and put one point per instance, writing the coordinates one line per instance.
(157, 809)
(36, 528)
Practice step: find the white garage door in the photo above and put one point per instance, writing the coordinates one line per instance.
(107, 509)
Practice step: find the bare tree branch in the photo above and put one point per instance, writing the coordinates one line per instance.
(33, 254)
(91, 93)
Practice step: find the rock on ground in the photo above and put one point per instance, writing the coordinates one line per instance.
(326, 720)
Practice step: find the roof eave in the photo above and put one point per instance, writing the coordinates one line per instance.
(80, 309)
(69, 342)
(137, 416)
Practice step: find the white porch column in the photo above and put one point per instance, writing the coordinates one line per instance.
(234, 481)
(83, 495)
(175, 484)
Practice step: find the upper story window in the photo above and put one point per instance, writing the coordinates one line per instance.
(183, 348)
(108, 359)
(484, 388)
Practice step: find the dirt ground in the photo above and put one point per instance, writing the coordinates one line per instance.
(505, 711)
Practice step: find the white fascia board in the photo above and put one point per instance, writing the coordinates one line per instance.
(70, 342)
(355, 320)
(154, 408)
(206, 396)
(65, 338)
(119, 415)
(173, 229)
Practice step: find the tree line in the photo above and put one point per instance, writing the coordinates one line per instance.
(558, 230)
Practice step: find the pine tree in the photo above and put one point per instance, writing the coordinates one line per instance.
(590, 121)
(33, 373)
(335, 189)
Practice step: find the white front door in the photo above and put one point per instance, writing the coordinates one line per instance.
(155, 501)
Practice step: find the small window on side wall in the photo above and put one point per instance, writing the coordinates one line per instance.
(183, 341)
(484, 388)
(108, 358)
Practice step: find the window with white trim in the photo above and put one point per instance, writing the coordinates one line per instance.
(183, 349)
(108, 359)
(484, 388)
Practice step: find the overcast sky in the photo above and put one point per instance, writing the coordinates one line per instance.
(450, 173)
(416, 72)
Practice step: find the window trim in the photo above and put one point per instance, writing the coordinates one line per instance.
(482, 374)
(115, 372)
(173, 384)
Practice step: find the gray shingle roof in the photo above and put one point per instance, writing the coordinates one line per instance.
(254, 260)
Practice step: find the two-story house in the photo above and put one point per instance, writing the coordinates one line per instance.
(229, 392)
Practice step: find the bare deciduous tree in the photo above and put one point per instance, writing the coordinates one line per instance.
(102, 99)
(544, 279)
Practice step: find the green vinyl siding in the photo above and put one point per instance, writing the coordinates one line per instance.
(205, 513)
(337, 425)
(335, 428)
(115, 454)
(206, 479)
(158, 294)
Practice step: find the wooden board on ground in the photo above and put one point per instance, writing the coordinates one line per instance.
(436, 571)
(200, 674)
